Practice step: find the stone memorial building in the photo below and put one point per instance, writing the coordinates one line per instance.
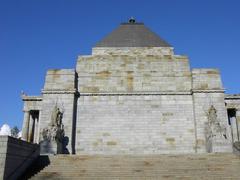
(132, 95)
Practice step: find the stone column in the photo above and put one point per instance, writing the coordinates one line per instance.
(234, 128)
(238, 122)
(35, 130)
(30, 130)
(25, 127)
(38, 128)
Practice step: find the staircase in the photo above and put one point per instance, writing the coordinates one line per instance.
(124, 167)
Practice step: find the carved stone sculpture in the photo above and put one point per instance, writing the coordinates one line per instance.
(213, 128)
(56, 117)
(53, 135)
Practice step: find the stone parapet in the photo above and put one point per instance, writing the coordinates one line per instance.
(206, 79)
(123, 73)
(136, 93)
(233, 101)
(61, 79)
(133, 51)
(59, 91)
(15, 157)
(32, 102)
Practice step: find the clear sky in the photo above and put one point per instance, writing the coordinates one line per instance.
(37, 35)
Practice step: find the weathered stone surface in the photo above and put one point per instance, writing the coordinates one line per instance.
(125, 73)
(206, 79)
(135, 125)
(137, 100)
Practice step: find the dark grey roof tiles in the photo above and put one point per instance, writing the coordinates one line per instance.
(132, 35)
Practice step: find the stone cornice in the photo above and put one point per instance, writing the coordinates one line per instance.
(133, 93)
(31, 98)
(59, 91)
(232, 96)
(208, 91)
(74, 91)
(149, 93)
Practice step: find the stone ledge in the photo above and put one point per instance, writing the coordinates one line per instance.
(133, 93)
(232, 96)
(61, 72)
(208, 91)
(132, 51)
(31, 98)
(59, 91)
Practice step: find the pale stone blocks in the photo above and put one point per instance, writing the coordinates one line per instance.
(206, 79)
(128, 73)
(135, 101)
(60, 79)
(135, 128)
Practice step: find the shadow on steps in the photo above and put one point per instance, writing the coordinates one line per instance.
(40, 163)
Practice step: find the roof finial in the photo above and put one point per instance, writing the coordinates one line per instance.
(132, 20)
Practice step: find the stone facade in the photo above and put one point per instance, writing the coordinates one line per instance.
(135, 100)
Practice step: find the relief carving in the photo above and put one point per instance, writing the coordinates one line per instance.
(213, 128)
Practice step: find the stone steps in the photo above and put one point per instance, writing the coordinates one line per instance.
(193, 166)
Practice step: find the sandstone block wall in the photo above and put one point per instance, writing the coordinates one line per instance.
(233, 102)
(134, 104)
(124, 73)
(206, 79)
(208, 91)
(233, 106)
(32, 103)
(134, 101)
(202, 104)
(143, 51)
(15, 157)
(60, 89)
(144, 124)
(60, 79)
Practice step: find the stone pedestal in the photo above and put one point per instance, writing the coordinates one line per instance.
(49, 147)
(53, 139)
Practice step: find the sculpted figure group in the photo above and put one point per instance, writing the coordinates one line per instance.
(213, 128)
(54, 133)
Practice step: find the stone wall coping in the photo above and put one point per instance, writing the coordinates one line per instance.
(208, 90)
(133, 93)
(31, 98)
(59, 91)
(17, 155)
(205, 70)
(74, 91)
(180, 56)
(129, 48)
(13, 140)
(232, 96)
(61, 71)
(149, 93)
(86, 57)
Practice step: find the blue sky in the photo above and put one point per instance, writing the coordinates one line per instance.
(36, 35)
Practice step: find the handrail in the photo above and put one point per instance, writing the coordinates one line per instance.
(23, 162)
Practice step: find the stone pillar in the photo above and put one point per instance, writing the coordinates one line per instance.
(238, 122)
(25, 127)
(35, 129)
(235, 136)
(38, 128)
(30, 130)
